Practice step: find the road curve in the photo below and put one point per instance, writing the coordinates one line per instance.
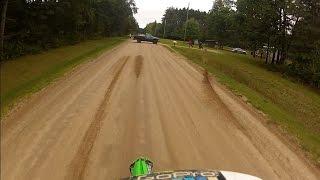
(139, 100)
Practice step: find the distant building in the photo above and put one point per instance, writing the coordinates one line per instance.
(211, 43)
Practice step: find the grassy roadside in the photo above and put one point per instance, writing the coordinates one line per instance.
(293, 107)
(28, 74)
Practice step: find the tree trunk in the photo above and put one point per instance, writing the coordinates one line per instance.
(267, 55)
(293, 34)
(278, 56)
(284, 38)
(283, 57)
(285, 48)
(279, 35)
(4, 6)
(273, 56)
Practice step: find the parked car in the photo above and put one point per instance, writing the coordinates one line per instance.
(146, 37)
(239, 50)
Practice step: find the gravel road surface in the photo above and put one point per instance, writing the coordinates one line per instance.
(140, 100)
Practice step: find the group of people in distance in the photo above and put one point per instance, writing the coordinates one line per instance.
(191, 43)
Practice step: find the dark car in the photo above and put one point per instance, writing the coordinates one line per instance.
(146, 37)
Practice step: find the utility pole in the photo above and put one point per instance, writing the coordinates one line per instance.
(185, 29)
(164, 30)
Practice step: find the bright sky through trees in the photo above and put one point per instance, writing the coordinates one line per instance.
(151, 10)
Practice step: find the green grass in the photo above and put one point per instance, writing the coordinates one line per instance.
(170, 42)
(28, 74)
(185, 44)
(292, 106)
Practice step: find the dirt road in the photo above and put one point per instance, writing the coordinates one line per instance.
(139, 99)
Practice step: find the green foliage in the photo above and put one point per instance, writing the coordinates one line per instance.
(175, 21)
(258, 21)
(282, 32)
(219, 23)
(48, 24)
(192, 29)
(290, 28)
(305, 44)
(155, 29)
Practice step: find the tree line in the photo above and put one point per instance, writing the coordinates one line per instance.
(29, 26)
(174, 22)
(285, 33)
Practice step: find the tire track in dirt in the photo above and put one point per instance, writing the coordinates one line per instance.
(213, 97)
(78, 164)
(138, 65)
(257, 142)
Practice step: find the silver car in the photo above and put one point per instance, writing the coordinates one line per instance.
(239, 50)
